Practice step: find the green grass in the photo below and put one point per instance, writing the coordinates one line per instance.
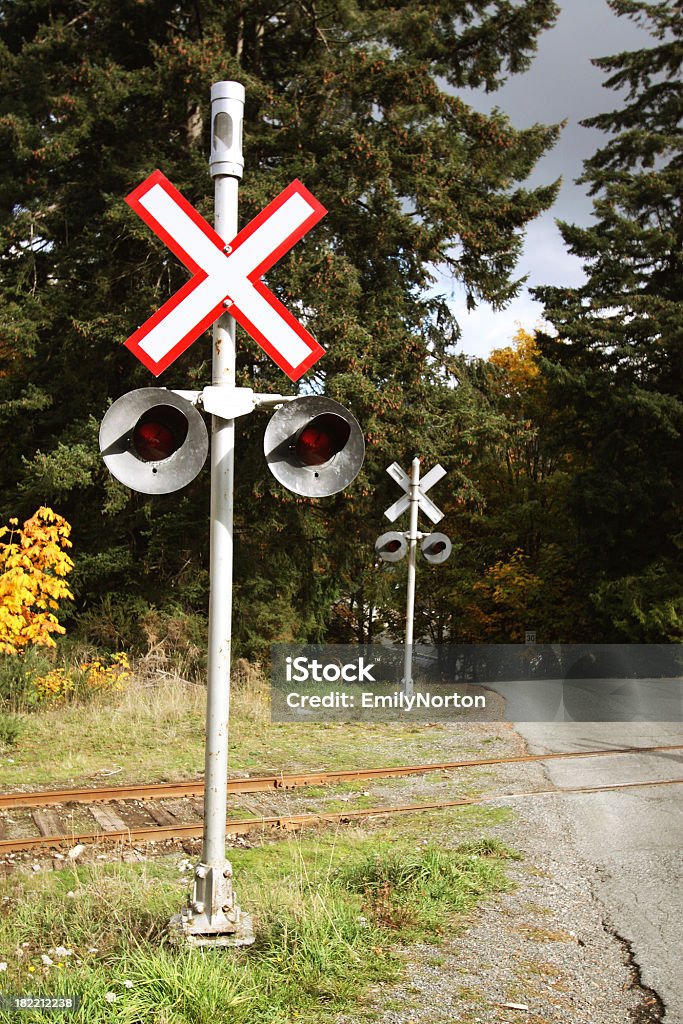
(328, 911)
(409, 888)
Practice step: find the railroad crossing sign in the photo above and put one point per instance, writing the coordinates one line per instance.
(155, 440)
(436, 547)
(424, 503)
(225, 277)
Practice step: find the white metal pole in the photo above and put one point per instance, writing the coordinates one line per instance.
(214, 916)
(410, 597)
(221, 557)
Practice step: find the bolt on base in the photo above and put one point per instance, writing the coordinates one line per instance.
(212, 916)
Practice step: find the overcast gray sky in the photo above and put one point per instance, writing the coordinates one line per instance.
(561, 84)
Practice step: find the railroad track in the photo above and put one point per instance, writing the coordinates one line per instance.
(136, 814)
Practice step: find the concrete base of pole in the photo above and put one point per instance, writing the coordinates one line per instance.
(212, 916)
(190, 930)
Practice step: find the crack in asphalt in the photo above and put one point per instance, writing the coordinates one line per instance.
(652, 1009)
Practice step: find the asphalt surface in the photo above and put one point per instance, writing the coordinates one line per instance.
(632, 837)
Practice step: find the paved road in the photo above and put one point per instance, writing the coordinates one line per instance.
(634, 837)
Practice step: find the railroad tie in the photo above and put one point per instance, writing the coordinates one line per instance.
(107, 817)
(161, 814)
(48, 821)
(197, 805)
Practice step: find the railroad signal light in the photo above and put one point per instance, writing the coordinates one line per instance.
(314, 446)
(436, 547)
(153, 441)
(321, 439)
(391, 547)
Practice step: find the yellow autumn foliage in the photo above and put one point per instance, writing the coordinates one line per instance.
(33, 564)
(519, 361)
(510, 592)
(91, 677)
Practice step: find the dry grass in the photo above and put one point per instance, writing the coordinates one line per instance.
(153, 731)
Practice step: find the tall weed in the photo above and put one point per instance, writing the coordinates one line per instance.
(11, 728)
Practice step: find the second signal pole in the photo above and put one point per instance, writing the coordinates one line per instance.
(392, 546)
(412, 538)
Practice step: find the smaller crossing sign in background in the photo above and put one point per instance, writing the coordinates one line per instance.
(425, 504)
(226, 277)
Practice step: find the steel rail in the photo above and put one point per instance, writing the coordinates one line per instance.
(291, 822)
(257, 784)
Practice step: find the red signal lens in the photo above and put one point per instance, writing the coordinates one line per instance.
(321, 439)
(153, 441)
(392, 546)
(437, 548)
(159, 433)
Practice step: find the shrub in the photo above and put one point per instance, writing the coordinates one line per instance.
(176, 642)
(11, 728)
(91, 677)
(17, 675)
(33, 564)
(114, 623)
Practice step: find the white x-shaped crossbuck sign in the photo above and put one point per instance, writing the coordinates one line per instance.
(424, 503)
(225, 277)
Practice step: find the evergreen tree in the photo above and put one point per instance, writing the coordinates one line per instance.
(356, 100)
(511, 569)
(616, 363)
